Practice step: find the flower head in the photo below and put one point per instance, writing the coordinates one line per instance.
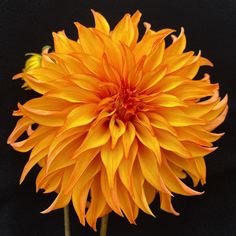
(119, 120)
(34, 61)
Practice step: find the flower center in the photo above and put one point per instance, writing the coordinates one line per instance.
(127, 103)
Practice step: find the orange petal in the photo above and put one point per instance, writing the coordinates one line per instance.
(110, 194)
(167, 100)
(96, 137)
(126, 203)
(139, 196)
(81, 115)
(117, 129)
(21, 126)
(160, 122)
(174, 183)
(185, 164)
(148, 140)
(151, 78)
(126, 166)
(87, 41)
(83, 164)
(177, 61)
(128, 138)
(197, 150)
(74, 95)
(150, 168)
(171, 143)
(111, 159)
(32, 162)
(179, 119)
(97, 205)
(166, 205)
(79, 200)
(61, 201)
(124, 31)
(101, 23)
(145, 45)
(155, 57)
(201, 167)
(27, 144)
(64, 45)
(178, 45)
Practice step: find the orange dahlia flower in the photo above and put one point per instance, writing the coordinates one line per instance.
(119, 121)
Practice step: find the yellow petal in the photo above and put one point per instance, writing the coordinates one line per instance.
(171, 143)
(178, 45)
(29, 143)
(50, 183)
(150, 192)
(128, 138)
(160, 122)
(170, 82)
(64, 45)
(217, 121)
(21, 126)
(201, 167)
(86, 82)
(148, 140)
(124, 31)
(174, 183)
(144, 46)
(126, 203)
(186, 164)
(81, 115)
(110, 194)
(139, 196)
(101, 23)
(59, 146)
(97, 205)
(117, 129)
(150, 168)
(112, 51)
(126, 166)
(155, 57)
(83, 164)
(151, 78)
(179, 119)
(197, 150)
(135, 18)
(74, 95)
(189, 70)
(96, 137)
(32, 162)
(166, 205)
(167, 100)
(61, 201)
(61, 159)
(177, 61)
(111, 159)
(79, 200)
(87, 41)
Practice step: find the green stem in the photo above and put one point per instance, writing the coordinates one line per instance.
(104, 224)
(67, 220)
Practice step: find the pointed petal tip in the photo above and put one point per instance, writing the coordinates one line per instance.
(17, 76)
(199, 193)
(176, 213)
(45, 211)
(22, 178)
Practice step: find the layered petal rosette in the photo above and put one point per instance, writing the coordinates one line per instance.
(119, 120)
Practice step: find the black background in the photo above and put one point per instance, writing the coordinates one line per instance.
(26, 26)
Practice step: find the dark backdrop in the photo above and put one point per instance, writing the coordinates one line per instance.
(25, 26)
